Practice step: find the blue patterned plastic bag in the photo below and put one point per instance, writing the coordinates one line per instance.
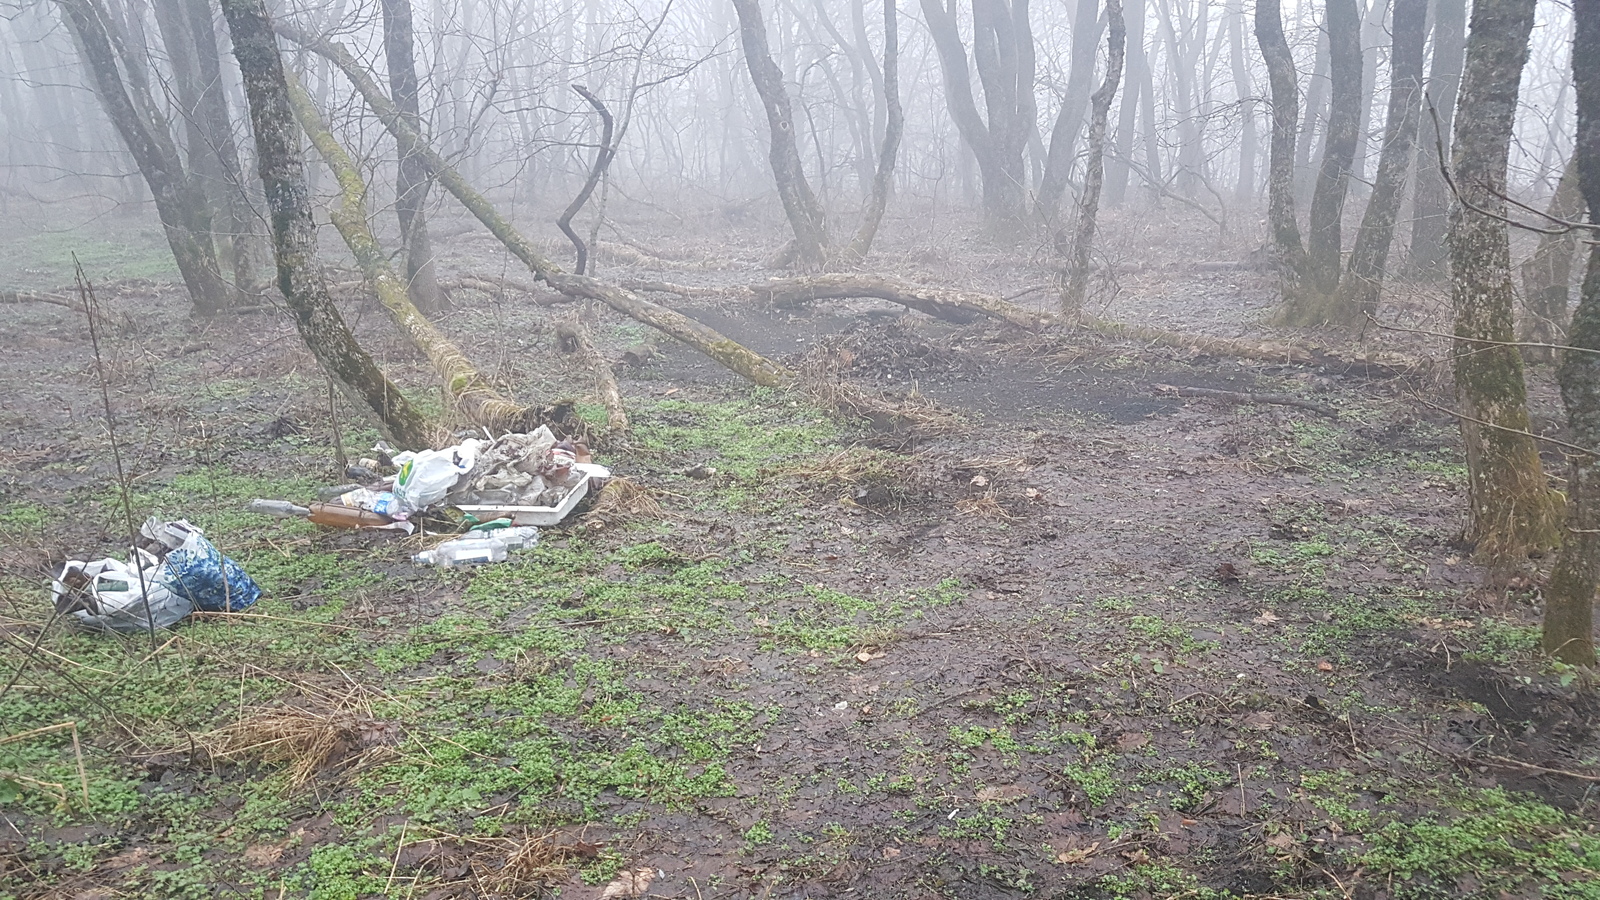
(198, 572)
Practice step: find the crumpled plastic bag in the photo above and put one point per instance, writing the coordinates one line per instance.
(426, 478)
(197, 571)
(111, 595)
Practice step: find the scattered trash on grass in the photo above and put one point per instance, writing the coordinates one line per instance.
(175, 571)
(503, 488)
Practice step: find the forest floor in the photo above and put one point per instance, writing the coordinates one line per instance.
(1102, 642)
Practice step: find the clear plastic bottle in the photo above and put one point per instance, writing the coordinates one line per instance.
(453, 554)
(282, 509)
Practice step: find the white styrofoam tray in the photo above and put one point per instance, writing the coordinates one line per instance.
(543, 515)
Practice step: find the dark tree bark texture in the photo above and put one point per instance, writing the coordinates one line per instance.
(1358, 294)
(1512, 510)
(294, 234)
(1308, 306)
(1569, 599)
(1285, 124)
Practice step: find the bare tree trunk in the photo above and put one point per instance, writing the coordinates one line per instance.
(1118, 170)
(602, 160)
(806, 215)
(1245, 190)
(1547, 275)
(185, 217)
(238, 220)
(1431, 203)
(1333, 177)
(1512, 511)
(294, 234)
(1064, 136)
(1569, 599)
(422, 281)
(1075, 283)
(1280, 165)
(894, 126)
(1003, 53)
(1368, 259)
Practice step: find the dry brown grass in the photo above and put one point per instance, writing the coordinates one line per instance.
(624, 501)
(308, 740)
(984, 507)
(912, 413)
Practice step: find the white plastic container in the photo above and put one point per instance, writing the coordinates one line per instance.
(544, 515)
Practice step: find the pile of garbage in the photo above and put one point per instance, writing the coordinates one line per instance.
(174, 571)
(503, 488)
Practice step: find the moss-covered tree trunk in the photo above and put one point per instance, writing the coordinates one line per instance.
(1075, 280)
(1512, 510)
(1358, 292)
(1569, 600)
(464, 388)
(411, 185)
(799, 202)
(294, 234)
(185, 216)
(1547, 274)
(1314, 300)
(709, 341)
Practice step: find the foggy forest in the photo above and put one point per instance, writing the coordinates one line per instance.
(799, 448)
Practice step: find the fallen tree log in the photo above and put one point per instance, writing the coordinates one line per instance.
(7, 296)
(707, 340)
(464, 387)
(961, 307)
(499, 286)
(1264, 351)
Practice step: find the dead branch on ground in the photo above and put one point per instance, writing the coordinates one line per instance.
(1246, 399)
(573, 338)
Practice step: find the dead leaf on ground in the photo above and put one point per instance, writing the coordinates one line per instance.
(1078, 856)
(1266, 618)
(868, 654)
(1260, 720)
(1000, 794)
(1324, 666)
(630, 884)
(1132, 740)
(891, 853)
(1282, 841)
(264, 854)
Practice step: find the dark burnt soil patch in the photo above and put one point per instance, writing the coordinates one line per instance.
(1104, 643)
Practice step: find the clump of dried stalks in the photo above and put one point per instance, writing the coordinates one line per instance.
(309, 740)
(624, 501)
(911, 413)
(984, 507)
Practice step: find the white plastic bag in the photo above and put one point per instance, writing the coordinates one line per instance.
(111, 595)
(427, 477)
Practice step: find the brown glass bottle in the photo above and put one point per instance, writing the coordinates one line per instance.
(334, 515)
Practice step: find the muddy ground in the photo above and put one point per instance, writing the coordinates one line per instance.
(1102, 641)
